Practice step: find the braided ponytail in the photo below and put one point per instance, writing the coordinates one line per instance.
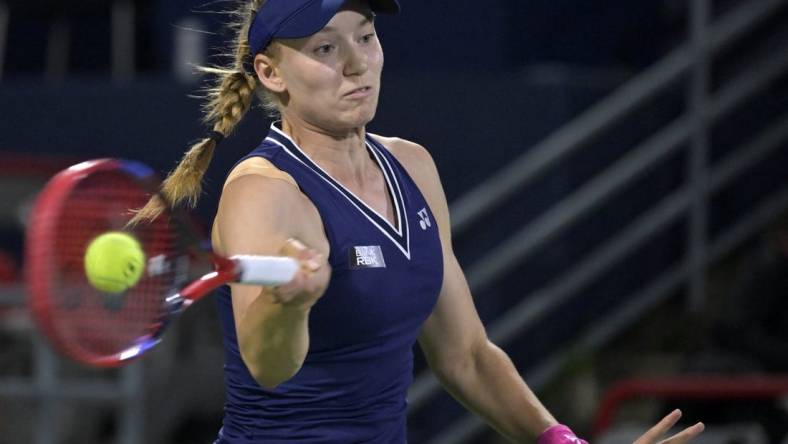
(227, 103)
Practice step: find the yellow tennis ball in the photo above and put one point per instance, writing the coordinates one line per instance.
(114, 261)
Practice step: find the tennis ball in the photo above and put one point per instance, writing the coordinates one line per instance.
(114, 261)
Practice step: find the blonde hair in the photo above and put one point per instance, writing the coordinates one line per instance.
(227, 101)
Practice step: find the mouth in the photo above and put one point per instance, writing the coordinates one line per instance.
(359, 92)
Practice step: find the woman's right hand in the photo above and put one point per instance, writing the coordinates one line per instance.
(309, 283)
(653, 434)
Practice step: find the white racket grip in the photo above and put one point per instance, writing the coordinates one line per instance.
(265, 270)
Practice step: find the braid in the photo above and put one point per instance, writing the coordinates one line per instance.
(227, 103)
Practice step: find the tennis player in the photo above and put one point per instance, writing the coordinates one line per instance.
(327, 358)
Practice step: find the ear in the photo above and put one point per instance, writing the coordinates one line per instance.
(268, 73)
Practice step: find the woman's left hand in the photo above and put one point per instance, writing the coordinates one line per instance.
(653, 434)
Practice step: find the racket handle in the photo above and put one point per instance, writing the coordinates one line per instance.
(265, 270)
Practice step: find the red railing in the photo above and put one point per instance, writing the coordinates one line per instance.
(711, 387)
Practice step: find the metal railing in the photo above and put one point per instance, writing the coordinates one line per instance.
(706, 387)
(639, 304)
(47, 384)
(693, 60)
(50, 389)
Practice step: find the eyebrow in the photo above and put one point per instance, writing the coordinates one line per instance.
(363, 22)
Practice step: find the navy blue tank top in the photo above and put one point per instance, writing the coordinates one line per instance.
(384, 284)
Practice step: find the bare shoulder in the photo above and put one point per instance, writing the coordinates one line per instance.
(256, 184)
(258, 211)
(261, 167)
(414, 157)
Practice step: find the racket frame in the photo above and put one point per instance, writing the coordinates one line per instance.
(41, 235)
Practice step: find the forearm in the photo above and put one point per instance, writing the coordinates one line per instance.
(490, 386)
(274, 340)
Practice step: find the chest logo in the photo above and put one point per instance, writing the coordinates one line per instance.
(366, 257)
(424, 221)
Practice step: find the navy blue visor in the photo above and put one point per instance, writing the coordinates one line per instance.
(293, 19)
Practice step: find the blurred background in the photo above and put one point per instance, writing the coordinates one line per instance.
(618, 179)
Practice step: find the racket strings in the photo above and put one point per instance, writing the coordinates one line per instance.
(97, 324)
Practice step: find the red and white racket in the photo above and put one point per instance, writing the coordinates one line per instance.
(110, 329)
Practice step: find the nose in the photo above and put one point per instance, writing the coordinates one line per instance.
(356, 61)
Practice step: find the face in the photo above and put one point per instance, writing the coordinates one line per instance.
(330, 79)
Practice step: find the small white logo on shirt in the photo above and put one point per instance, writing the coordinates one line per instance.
(425, 219)
(366, 257)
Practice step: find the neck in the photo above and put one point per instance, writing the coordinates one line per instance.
(341, 153)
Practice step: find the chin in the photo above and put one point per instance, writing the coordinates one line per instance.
(359, 117)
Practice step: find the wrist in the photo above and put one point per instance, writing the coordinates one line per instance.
(559, 434)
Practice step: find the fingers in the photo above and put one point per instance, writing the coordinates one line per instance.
(310, 281)
(653, 434)
(309, 258)
(685, 435)
(660, 428)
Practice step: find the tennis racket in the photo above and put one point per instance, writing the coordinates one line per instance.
(110, 329)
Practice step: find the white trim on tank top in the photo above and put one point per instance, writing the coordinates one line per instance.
(396, 197)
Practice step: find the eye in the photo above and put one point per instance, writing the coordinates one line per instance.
(324, 49)
(368, 38)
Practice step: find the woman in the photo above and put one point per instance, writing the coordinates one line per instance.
(327, 357)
